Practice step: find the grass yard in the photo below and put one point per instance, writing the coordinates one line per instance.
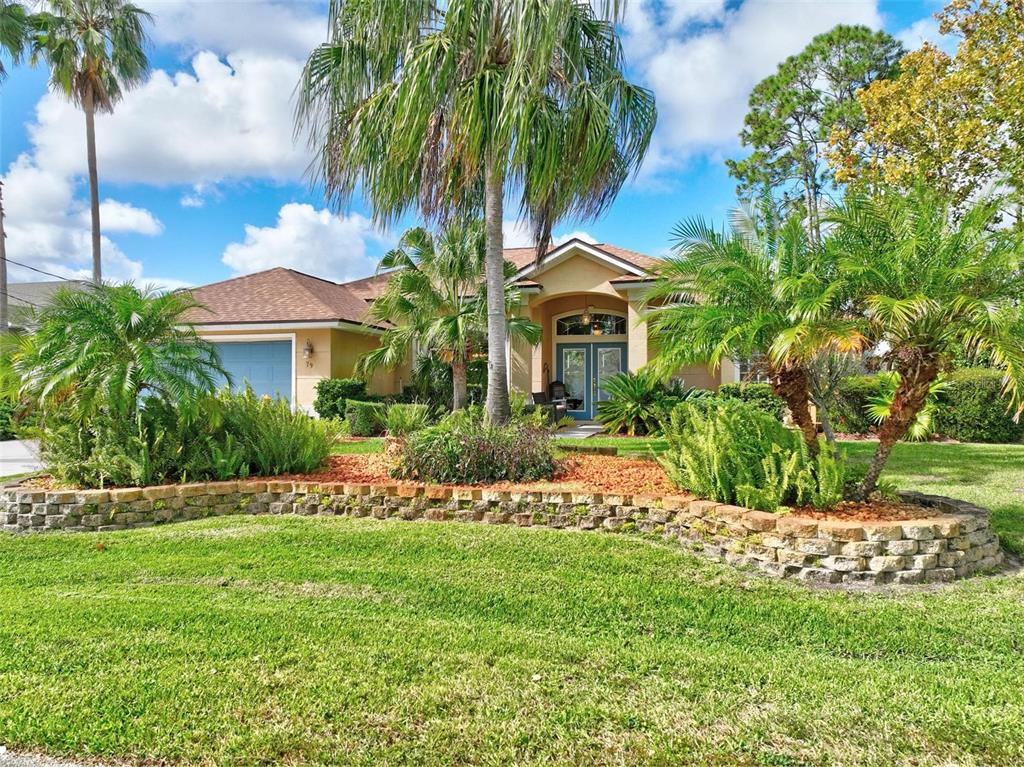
(292, 640)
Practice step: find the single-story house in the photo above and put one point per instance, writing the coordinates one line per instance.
(24, 298)
(282, 330)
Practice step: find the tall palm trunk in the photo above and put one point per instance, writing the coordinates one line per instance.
(460, 395)
(94, 190)
(497, 409)
(911, 395)
(791, 385)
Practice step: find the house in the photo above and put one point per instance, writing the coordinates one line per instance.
(24, 298)
(283, 331)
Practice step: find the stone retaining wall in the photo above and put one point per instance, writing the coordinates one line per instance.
(954, 543)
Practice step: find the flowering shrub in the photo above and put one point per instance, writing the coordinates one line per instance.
(462, 450)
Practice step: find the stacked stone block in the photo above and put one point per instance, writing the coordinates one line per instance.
(955, 542)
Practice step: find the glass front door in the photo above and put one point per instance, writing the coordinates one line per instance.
(584, 368)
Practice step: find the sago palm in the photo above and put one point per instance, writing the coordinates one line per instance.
(448, 107)
(921, 285)
(105, 347)
(95, 50)
(435, 302)
(727, 295)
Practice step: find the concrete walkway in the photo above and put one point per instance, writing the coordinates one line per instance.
(19, 456)
(580, 431)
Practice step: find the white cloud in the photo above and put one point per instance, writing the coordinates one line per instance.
(926, 30)
(518, 234)
(309, 240)
(48, 227)
(291, 28)
(703, 69)
(226, 119)
(124, 217)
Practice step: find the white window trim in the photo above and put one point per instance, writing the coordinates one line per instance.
(255, 337)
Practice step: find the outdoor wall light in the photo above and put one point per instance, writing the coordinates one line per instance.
(307, 350)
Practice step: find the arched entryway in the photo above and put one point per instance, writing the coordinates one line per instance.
(586, 340)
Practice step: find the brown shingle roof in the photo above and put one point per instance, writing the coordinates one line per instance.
(277, 295)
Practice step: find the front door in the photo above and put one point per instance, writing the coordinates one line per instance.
(584, 368)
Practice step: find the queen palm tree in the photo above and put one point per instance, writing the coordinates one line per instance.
(448, 107)
(106, 346)
(922, 285)
(727, 295)
(95, 49)
(434, 301)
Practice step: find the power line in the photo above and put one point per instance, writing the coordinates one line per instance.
(34, 269)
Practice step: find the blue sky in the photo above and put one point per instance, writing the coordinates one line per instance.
(201, 180)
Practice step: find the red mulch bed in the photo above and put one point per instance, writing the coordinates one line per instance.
(581, 473)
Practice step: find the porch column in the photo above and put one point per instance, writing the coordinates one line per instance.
(636, 336)
(537, 353)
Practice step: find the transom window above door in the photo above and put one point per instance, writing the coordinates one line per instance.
(599, 324)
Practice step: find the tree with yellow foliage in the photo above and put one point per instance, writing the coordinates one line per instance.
(955, 121)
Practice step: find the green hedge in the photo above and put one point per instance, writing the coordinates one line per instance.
(759, 395)
(851, 416)
(7, 420)
(365, 419)
(332, 394)
(973, 409)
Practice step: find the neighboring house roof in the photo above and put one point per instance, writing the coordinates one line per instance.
(277, 295)
(24, 297)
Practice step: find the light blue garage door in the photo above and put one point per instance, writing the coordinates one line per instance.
(265, 365)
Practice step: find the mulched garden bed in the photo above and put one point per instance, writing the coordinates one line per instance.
(581, 473)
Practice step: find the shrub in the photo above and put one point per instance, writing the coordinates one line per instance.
(462, 450)
(851, 413)
(275, 439)
(7, 410)
(639, 402)
(759, 395)
(365, 419)
(973, 409)
(733, 452)
(401, 420)
(332, 393)
(228, 436)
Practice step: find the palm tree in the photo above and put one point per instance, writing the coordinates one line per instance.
(728, 295)
(449, 106)
(95, 49)
(435, 303)
(923, 285)
(106, 346)
(14, 26)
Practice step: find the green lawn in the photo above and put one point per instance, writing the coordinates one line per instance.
(270, 640)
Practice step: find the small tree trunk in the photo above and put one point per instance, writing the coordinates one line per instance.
(826, 426)
(94, 191)
(910, 397)
(498, 410)
(460, 396)
(4, 320)
(790, 383)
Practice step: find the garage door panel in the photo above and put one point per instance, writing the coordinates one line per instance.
(265, 365)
